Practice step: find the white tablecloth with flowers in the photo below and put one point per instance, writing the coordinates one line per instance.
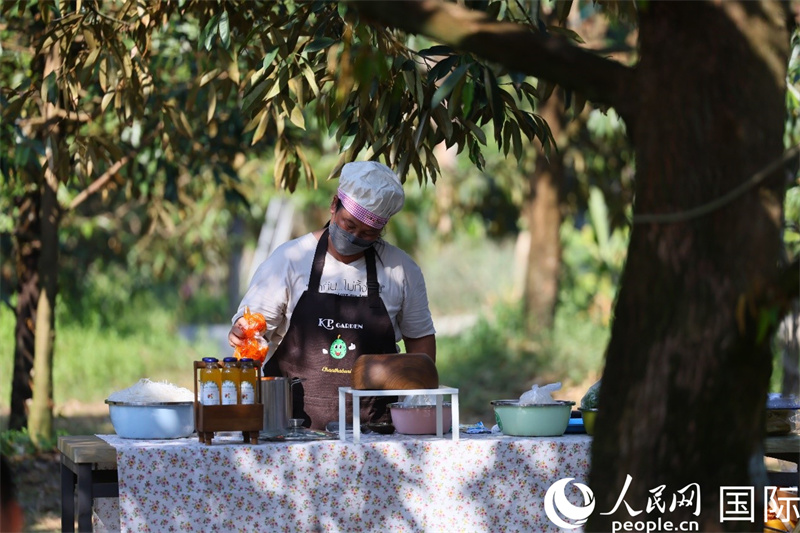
(393, 483)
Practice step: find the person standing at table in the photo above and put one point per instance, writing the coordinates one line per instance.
(340, 292)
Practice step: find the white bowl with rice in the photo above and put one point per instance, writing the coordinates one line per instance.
(152, 410)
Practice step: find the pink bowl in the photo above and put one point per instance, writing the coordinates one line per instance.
(419, 419)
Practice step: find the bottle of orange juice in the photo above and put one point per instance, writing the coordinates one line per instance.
(247, 389)
(231, 376)
(210, 382)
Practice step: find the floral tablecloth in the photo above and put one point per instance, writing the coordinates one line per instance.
(384, 483)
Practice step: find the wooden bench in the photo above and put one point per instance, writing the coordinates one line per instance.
(88, 464)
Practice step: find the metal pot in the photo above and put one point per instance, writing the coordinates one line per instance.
(276, 394)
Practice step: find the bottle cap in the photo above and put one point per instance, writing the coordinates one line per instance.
(229, 360)
(210, 360)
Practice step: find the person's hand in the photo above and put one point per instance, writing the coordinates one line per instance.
(236, 335)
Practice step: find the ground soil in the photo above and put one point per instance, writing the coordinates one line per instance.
(38, 476)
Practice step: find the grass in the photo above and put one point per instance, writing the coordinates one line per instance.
(92, 361)
(468, 276)
(495, 360)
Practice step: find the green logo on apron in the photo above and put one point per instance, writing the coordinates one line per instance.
(338, 348)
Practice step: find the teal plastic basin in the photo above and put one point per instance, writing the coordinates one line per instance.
(537, 420)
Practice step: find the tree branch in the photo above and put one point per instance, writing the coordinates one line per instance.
(98, 184)
(546, 56)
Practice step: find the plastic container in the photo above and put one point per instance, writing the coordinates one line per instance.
(536, 420)
(589, 416)
(419, 419)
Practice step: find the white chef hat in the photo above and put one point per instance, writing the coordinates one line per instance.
(371, 192)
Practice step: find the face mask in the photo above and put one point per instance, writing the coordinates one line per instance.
(346, 243)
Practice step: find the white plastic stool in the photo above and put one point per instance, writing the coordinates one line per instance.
(358, 393)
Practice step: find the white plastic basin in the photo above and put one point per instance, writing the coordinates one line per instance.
(166, 420)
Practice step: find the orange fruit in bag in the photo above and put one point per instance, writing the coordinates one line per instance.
(254, 323)
(254, 346)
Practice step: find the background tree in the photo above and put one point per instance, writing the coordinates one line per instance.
(102, 99)
(95, 112)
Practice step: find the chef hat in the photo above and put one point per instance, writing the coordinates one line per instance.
(371, 192)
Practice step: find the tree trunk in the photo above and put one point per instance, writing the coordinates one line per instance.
(40, 423)
(687, 372)
(543, 213)
(27, 247)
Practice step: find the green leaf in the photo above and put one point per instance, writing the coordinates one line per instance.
(598, 212)
(442, 68)
(495, 102)
(445, 126)
(516, 138)
(269, 57)
(262, 127)
(319, 44)
(562, 9)
(312, 82)
(207, 35)
(566, 32)
(467, 96)
(208, 76)
(446, 88)
(439, 50)
(256, 94)
(212, 103)
(476, 131)
(296, 117)
(346, 142)
(545, 89)
(225, 30)
(409, 78)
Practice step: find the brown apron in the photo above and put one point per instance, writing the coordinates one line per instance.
(326, 334)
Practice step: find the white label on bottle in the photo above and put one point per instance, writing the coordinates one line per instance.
(248, 393)
(210, 393)
(229, 393)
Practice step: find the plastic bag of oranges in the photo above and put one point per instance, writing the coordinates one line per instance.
(254, 346)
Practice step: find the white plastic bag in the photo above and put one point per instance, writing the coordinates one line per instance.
(419, 400)
(539, 395)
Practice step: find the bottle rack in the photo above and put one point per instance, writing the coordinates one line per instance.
(208, 419)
